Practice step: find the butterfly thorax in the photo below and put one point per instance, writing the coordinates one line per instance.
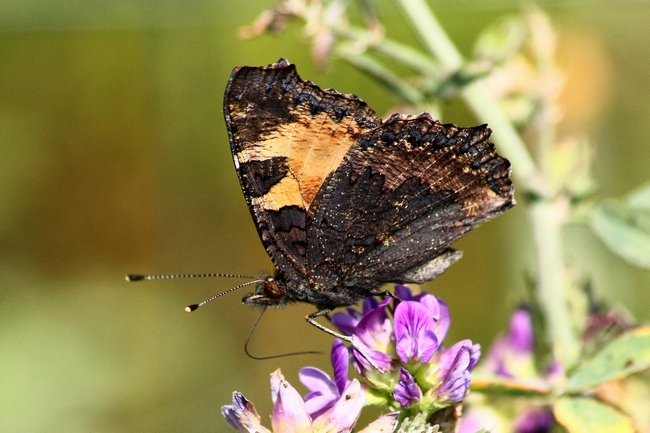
(278, 291)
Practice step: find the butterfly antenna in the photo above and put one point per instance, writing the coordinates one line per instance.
(282, 355)
(193, 307)
(138, 277)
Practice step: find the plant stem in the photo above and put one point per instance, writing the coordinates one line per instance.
(546, 218)
(546, 226)
(400, 52)
(550, 216)
(485, 108)
(367, 64)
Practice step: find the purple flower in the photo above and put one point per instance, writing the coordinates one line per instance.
(373, 337)
(347, 322)
(534, 420)
(456, 364)
(324, 391)
(415, 339)
(520, 337)
(404, 342)
(242, 414)
(374, 329)
(290, 414)
(437, 307)
(289, 411)
(407, 392)
(512, 355)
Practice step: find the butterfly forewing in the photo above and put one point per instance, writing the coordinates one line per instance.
(286, 136)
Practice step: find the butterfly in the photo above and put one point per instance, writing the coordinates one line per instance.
(345, 202)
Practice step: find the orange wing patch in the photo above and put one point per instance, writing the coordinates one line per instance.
(314, 146)
(275, 116)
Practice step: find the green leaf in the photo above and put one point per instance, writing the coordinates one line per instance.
(625, 228)
(626, 355)
(640, 198)
(586, 415)
(502, 40)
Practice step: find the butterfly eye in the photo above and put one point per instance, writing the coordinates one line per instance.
(273, 289)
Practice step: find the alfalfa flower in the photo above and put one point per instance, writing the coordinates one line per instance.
(290, 413)
(512, 357)
(325, 391)
(404, 340)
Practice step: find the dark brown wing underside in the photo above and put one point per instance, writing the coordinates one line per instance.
(348, 202)
(401, 197)
(287, 135)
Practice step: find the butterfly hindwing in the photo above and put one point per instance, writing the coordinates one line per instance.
(287, 135)
(403, 194)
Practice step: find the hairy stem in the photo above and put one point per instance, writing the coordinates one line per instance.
(546, 227)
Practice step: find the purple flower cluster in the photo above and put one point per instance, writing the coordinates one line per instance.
(403, 338)
(512, 357)
(290, 412)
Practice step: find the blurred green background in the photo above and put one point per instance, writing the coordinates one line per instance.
(114, 159)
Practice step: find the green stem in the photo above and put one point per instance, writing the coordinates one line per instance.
(546, 217)
(443, 49)
(432, 34)
(507, 138)
(384, 75)
(402, 53)
(547, 229)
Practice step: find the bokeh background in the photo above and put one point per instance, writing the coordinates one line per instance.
(114, 159)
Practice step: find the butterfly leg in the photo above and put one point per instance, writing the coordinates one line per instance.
(389, 294)
(324, 312)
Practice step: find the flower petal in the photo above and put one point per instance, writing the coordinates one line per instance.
(474, 356)
(242, 415)
(323, 390)
(315, 379)
(439, 312)
(276, 378)
(362, 356)
(340, 358)
(415, 339)
(448, 357)
(454, 389)
(534, 420)
(454, 373)
(345, 412)
(406, 391)
(369, 304)
(520, 334)
(316, 403)
(289, 412)
(437, 307)
(403, 293)
(345, 322)
(375, 329)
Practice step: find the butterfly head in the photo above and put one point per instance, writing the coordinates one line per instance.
(269, 292)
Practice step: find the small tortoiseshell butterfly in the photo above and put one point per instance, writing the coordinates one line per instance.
(344, 201)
